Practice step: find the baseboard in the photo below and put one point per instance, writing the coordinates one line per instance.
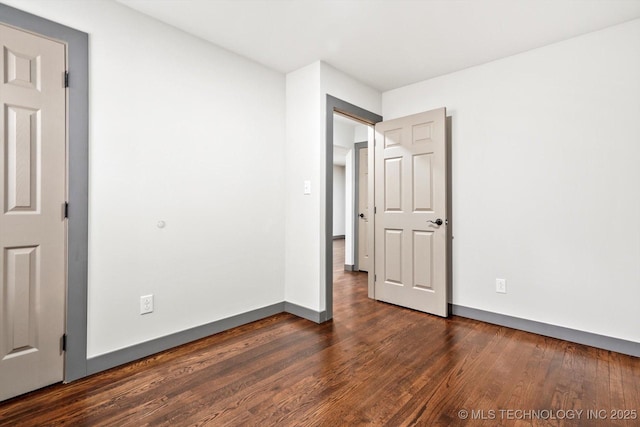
(341, 236)
(138, 351)
(349, 267)
(594, 340)
(305, 313)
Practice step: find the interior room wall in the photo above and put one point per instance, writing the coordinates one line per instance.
(169, 142)
(343, 133)
(546, 180)
(306, 90)
(360, 133)
(302, 213)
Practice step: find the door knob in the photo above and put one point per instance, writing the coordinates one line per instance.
(437, 222)
(361, 215)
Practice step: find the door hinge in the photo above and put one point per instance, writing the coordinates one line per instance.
(63, 342)
(66, 209)
(375, 278)
(375, 210)
(66, 79)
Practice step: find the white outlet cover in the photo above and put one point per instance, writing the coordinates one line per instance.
(146, 304)
(501, 286)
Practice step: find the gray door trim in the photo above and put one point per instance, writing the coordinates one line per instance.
(78, 139)
(356, 201)
(360, 114)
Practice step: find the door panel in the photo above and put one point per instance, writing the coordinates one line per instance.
(32, 226)
(422, 259)
(410, 195)
(422, 182)
(393, 257)
(20, 292)
(22, 125)
(393, 184)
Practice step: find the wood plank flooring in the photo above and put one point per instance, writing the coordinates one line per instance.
(374, 364)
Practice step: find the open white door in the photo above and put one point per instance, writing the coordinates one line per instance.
(32, 224)
(363, 208)
(411, 212)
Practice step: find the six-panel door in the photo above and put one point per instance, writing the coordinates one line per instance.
(32, 225)
(410, 196)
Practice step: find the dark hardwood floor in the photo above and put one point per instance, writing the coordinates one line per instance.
(374, 364)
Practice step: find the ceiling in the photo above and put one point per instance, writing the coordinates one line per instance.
(386, 43)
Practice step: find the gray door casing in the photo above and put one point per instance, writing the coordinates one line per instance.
(78, 143)
(334, 104)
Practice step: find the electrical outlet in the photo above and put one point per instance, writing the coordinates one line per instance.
(501, 286)
(146, 304)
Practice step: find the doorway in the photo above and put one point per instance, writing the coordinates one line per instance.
(346, 111)
(347, 186)
(419, 259)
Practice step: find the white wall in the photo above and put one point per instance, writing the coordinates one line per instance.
(302, 213)
(305, 160)
(361, 133)
(546, 180)
(342, 141)
(187, 133)
(339, 199)
(545, 146)
(343, 133)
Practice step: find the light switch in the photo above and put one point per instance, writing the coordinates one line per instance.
(307, 187)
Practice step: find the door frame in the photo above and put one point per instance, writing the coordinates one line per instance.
(77, 46)
(356, 202)
(334, 104)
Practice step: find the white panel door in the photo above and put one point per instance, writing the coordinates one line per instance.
(363, 209)
(411, 212)
(32, 224)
